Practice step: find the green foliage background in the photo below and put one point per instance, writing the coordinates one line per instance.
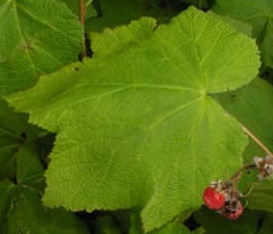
(127, 140)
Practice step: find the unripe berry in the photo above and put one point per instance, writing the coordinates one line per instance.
(213, 198)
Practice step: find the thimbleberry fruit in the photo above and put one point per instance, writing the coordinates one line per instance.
(232, 210)
(213, 198)
(224, 199)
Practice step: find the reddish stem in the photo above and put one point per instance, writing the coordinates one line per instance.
(82, 20)
(239, 173)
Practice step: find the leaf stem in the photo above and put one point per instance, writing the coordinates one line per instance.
(239, 173)
(257, 141)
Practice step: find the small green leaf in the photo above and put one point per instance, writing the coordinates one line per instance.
(37, 37)
(12, 128)
(140, 128)
(29, 216)
(29, 170)
(6, 191)
(22, 181)
(257, 13)
(111, 42)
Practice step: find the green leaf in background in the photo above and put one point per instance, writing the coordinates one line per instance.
(6, 191)
(37, 37)
(21, 210)
(140, 128)
(172, 228)
(115, 13)
(262, 197)
(213, 223)
(267, 226)
(28, 215)
(22, 181)
(257, 13)
(169, 228)
(253, 106)
(12, 130)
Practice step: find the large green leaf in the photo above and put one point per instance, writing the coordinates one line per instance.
(257, 13)
(141, 128)
(37, 37)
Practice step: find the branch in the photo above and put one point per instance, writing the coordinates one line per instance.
(257, 141)
(82, 20)
(82, 11)
(238, 174)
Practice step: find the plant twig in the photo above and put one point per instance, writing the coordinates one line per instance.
(82, 20)
(239, 173)
(257, 141)
(82, 11)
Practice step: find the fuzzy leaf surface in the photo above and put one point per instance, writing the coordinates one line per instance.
(257, 13)
(37, 37)
(141, 128)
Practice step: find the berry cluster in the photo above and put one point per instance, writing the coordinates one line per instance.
(223, 197)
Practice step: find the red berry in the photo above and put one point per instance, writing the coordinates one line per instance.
(213, 198)
(232, 213)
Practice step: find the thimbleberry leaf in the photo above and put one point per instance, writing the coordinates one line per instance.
(37, 37)
(213, 199)
(259, 14)
(140, 127)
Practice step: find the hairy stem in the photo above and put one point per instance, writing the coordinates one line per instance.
(257, 141)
